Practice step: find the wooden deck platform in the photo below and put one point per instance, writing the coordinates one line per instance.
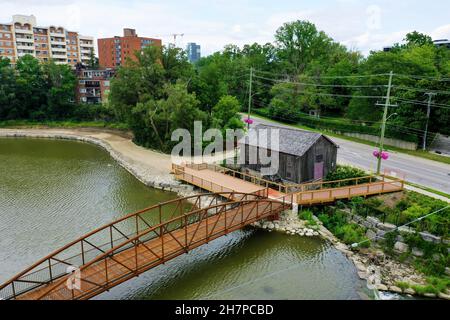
(215, 181)
(214, 178)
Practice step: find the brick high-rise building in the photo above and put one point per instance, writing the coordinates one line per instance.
(23, 36)
(113, 52)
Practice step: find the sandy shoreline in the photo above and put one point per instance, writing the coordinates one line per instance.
(150, 167)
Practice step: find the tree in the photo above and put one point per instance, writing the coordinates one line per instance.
(136, 82)
(176, 65)
(226, 114)
(155, 120)
(299, 43)
(61, 84)
(419, 39)
(93, 61)
(285, 104)
(30, 89)
(8, 101)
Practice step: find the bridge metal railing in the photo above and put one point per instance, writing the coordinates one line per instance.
(163, 242)
(89, 247)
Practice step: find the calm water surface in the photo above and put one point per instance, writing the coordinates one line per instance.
(52, 192)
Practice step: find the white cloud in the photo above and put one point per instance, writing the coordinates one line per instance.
(443, 32)
(214, 24)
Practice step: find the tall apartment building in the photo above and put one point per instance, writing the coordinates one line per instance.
(23, 36)
(193, 52)
(113, 52)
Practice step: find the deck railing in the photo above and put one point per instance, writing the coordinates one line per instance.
(282, 188)
(327, 195)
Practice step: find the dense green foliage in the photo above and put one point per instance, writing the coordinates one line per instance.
(157, 94)
(42, 92)
(305, 70)
(343, 173)
(409, 208)
(347, 232)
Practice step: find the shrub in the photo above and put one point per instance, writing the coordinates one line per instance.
(402, 285)
(342, 173)
(389, 241)
(309, 217)
(352, 233)
(306, 215)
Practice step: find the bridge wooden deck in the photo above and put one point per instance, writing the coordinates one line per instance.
(149, 248)
(213, 178)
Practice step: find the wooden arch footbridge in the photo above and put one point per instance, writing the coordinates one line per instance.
(121, 250)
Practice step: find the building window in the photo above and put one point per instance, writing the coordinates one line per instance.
(319, 158)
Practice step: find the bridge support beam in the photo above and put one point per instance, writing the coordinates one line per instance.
(295, 208)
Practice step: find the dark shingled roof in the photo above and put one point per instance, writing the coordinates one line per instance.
(292, 141)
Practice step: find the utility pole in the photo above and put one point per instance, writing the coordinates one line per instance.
(250, 97)
(387, 104)
(430, 97)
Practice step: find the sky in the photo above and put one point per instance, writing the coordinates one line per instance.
(359, 24)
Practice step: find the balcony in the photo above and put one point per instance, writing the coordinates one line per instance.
(59, 55)
(62, 50)
(19, 30)
(21, 54)
(23, 39)
(57, 34)
(58, 42)
(25, 47)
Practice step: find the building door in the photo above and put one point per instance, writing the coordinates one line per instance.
(290, 167)
(318, 168)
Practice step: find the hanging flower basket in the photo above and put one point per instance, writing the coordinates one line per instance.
(248, 121)
(383, 155)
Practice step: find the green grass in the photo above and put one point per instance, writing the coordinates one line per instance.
(416, 153)
(440, 193)
(62, 124)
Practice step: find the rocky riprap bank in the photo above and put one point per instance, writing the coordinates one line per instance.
(390, 271)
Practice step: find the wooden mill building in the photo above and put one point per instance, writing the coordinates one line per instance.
(303, 155)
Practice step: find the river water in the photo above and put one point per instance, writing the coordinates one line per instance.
(52, 192)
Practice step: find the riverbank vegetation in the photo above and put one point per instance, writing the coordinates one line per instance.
(400, 224)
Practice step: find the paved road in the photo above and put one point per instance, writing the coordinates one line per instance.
(425, 172)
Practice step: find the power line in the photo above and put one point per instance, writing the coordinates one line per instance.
(422, 77)
(323, 94)
(321, 85)
(421, 90)
(394, 127)
(326, 77)
(437, 105)
(355, 245)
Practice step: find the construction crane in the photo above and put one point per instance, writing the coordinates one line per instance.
(175, 36)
